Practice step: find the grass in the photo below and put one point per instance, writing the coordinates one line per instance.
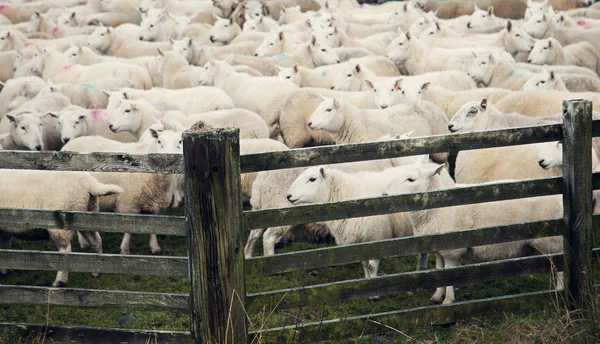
(505, 328)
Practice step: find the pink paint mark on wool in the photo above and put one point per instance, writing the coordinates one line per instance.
(363, 113)
(141, 148)
(97, 113)
(162, 114)
(582, 22)
(2, 7)
(55, 30)
(467, 34)
(362, 5)
(69, 66)
(28, 44)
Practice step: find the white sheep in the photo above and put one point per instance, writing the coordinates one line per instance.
(157, 26)
(175, 71)
(224, 31)
(71, 191)
(249, 146)
(90, 95)
(17, 91)
(109, 42)
(541, 26)
(312, 54)
(551, 52)
(542, 102)
(430, 177)
(25, 131)
(549, 80)
(551, 156)
(42, 23)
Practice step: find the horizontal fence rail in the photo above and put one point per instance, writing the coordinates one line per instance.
(88, 298)
(23, 219)
(93, 262)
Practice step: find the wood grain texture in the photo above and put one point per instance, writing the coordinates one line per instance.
(94, 335)
(340, 255)
(93, 262)
(504, 190)
(96, 162)
(22, 219)
(213, 209)
(577, 203)
(88, 298)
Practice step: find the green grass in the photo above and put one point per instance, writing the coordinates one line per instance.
(492, 328)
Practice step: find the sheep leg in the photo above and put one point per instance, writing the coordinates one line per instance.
(450, 297)
(252, 238)
(83, 242)
(154, 247)
(5, 242)
(422, 262)
(62, 240)
(372, 267)
(440, 292)
(93, 240)
(560, 281)
(125, 243)
(365, 265)
(270, 238)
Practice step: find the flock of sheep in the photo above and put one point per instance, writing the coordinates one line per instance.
(132, 75)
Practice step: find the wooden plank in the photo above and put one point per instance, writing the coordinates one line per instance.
(213, 209)
(89, 298)
(577, 204)
(96, 162)
(94, 335)
(340, 255)
(388, 149)
(355, 326)
(331, 293)
(257, 219)
(93, 262)
(24, 219)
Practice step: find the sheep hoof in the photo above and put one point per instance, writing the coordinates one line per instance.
(95, 274)
(436, 300)
(59, 284)
(156, 251)
(124, 251)
(447, 301)
(374, 298)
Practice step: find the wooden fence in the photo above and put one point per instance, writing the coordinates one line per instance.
(215, 226)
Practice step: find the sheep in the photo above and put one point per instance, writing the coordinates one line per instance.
(42, 23)
(549, 80)
(71, 191)
(321, 184)
(542, 102)
(430, 177)
(54, 65)
(17, 91)
(277, 43)
(199, 32)
(143, 193)
(551, 52)
(261, 24)
(484, 21)
(137, 116)
(200, 54)
(418, 58)
(389, 91)
(492, 71)
(265, 67)
(179, 7)
(74, 122)
(157, 26)
(346, 123)
(513, 9)
(250, 92)
(89, 95)
(551, 156)
(324, 76)
(311, 55)
(376, 43)
(540, 26)
(193, 100)
(175, 71)
(224, 31)
(108, 42)
(484, 165)
(25, 131)
(8, 61)
(249, 146)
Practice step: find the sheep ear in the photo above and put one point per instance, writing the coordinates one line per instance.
(73, 15)
(425, 86)
(296, 68)
(81, 50)
(37, 14)
(484, 103)
(323, 171)
(82, 116)
(490, 10)
(106, 93)
(545, 17)
(438, 171)
(309, 48)
(370, 84)
(171, 40)
(550, 44)
(552, 75)
(438, 27)
(281, 36)
(492, 59)
(508, 26)
(408, 36)
(51, 115)
(190, 41)
(405, 7)
(398, 84)
(336, 104)
(313, 41)
(154, 133)
(408, 133)
(474, 55)
(2, 85)
(125, 95)
(11, 118)
(231, 20)
(357, 68)
(160, 52)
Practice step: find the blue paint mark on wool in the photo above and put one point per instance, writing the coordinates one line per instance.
(88, 86)
(283, 57)
(324, 74)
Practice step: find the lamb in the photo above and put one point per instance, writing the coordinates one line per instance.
(542, 103)
(429, 177)
(484, 21)
(74, 122)
(321, 184)
(492, 71)
(30, 189)
(261, 24)
(137, 116)
(418, 58)
(484, 165)
(193, 100)
(540, 26)
(249, 92)
(54, 65)
(311, 55)
(143, 193)
(108, 42)
(549, 80)
(277, 43)
(551, 52)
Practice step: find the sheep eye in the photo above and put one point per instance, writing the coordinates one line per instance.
(226, 26)
(312, 179)
(179, 142)
(517, 35)
(101, 34)
(151, 26)
(539, 21)
(288, 77)
(77, 122)
(482, 63)
(402, 92)
(23, 128)
(324, 50)
(328, 110)
(349, 75)
(271, 44)
(545, 48)
(160, 143)
(542, 82)
(400, 43)
(127, 111)
(410, 180)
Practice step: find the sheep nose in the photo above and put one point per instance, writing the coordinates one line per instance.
(66, 139)
(38, 147)
(338, 61)
(212, 38)
(468, 25)
(384, 106)
(256, 55)
(332, 88)
(541, 162)
(529, 61)
(310, 124)
(385, 194)
(289, 197)
(141, 38)
(450, 127)
(111, 127)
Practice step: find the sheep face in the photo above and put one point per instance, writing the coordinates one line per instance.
(399, 49)
(72, 54)
(550, 155)
(33, 25)
(224, 31)
(431, 33)
(100, 39)
(481, 19)
(312, 186)
(385, 92)
(207, 75)
(72, 124)
(126, 117)
(251, 25)
(181, 23)
(470, 117)
(253, 9)
(409, 91)
(330, 35)
(534, 7)
(68, 19)
(168, 141)
(418, 27)
(405, 160)
(291, 74)
(31, 66)
(413, 178)
(349, 79)
(5, 40)
(327, 116)
(27, 130)
(541, 81)
(322, 54)
(517, 40)
(151, 25)
(537, 25)
(146, 5)
(226, 6)
(482, 68)
(183, 47)
(544, 52)
(270, 46)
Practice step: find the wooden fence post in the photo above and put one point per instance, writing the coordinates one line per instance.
(577, 202)
(213, 210)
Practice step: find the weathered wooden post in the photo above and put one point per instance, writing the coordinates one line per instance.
(577, 202)
(213, 210)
